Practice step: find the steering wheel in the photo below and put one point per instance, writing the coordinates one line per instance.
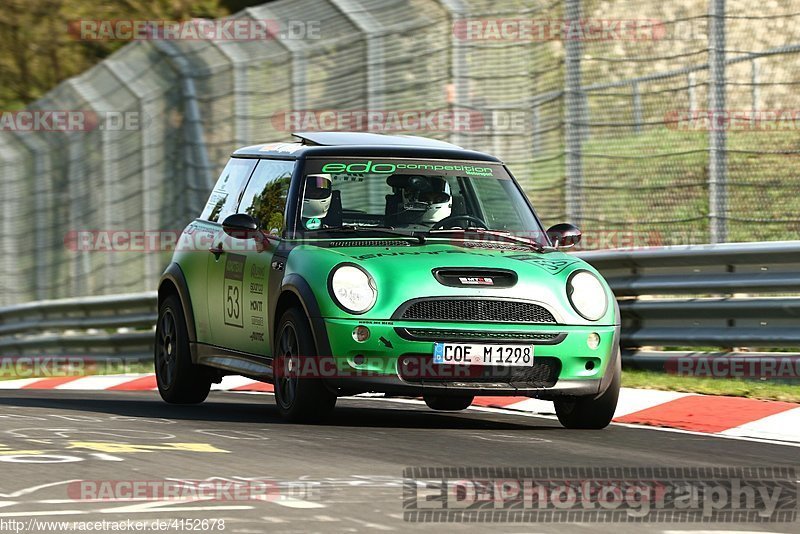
(468, 218)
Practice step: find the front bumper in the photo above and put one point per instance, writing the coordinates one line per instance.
(396, 359)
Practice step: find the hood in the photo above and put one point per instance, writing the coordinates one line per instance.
(403, 273)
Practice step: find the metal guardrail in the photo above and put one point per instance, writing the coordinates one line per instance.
(105, 327)
(723, 296)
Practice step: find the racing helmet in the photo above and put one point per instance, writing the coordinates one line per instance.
(317, 196)
(424, 199)
(439, 205)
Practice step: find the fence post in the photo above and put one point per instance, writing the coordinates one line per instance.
(755, 86)
(459, 65)
(637, 108)
(574, 116)
(198, 165)
(717, 163)
(80, 274)
(536, 123)
(372, 30)
(152, 263)
(43, 216)
(369, 26)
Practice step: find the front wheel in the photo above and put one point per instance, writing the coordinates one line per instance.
(594, 412)
(179, 380)
(300, 399)
(448, 404)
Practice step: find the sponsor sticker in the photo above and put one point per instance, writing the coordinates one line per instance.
(314, 224)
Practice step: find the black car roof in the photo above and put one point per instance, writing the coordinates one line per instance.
(362, 144)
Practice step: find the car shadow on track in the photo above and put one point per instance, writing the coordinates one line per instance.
(254, 409)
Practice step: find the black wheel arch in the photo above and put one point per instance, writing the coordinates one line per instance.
(295, 290)
(174, 282)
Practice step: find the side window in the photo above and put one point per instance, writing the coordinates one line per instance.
(225, 195)
(265, 196)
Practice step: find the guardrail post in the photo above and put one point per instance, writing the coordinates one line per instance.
(717, 163)
(574, 116)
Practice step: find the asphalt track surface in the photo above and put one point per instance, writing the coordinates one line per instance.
(344, 476)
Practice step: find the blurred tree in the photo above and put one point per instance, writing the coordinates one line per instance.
(237, 5)
(268, 206)
(37, 51)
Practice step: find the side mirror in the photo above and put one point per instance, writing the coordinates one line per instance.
(564, 235)
(241, 226)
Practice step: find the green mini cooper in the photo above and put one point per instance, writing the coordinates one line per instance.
(347, 263)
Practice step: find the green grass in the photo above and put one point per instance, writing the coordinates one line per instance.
(666, 179)
(657, 181)
(734, 387)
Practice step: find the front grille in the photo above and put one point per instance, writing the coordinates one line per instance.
(418, 369)
(429, 334)
(476, 310)
(370, 243)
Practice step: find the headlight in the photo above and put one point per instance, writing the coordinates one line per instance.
(587, 295)
(353, 289)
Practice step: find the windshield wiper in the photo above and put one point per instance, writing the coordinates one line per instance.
(355, 228)
(538, 247)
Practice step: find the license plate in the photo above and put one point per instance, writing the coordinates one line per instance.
(482, 354)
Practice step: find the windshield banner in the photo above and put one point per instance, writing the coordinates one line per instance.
(405, 166)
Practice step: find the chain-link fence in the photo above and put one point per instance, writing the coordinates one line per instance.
(676, 121)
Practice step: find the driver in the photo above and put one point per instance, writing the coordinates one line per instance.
(420, 199)
(438, 205)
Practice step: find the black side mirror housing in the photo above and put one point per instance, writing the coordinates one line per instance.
(564, 235)
(241, 226)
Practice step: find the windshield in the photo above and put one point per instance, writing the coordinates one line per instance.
(413, 196)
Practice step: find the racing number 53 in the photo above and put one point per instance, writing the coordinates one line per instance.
(232, 290)
(232, 304)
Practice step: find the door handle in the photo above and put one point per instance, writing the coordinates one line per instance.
(217, 251)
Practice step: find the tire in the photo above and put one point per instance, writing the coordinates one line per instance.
(299, 399)
(179, 380)
(448, 404)
(593, 412)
